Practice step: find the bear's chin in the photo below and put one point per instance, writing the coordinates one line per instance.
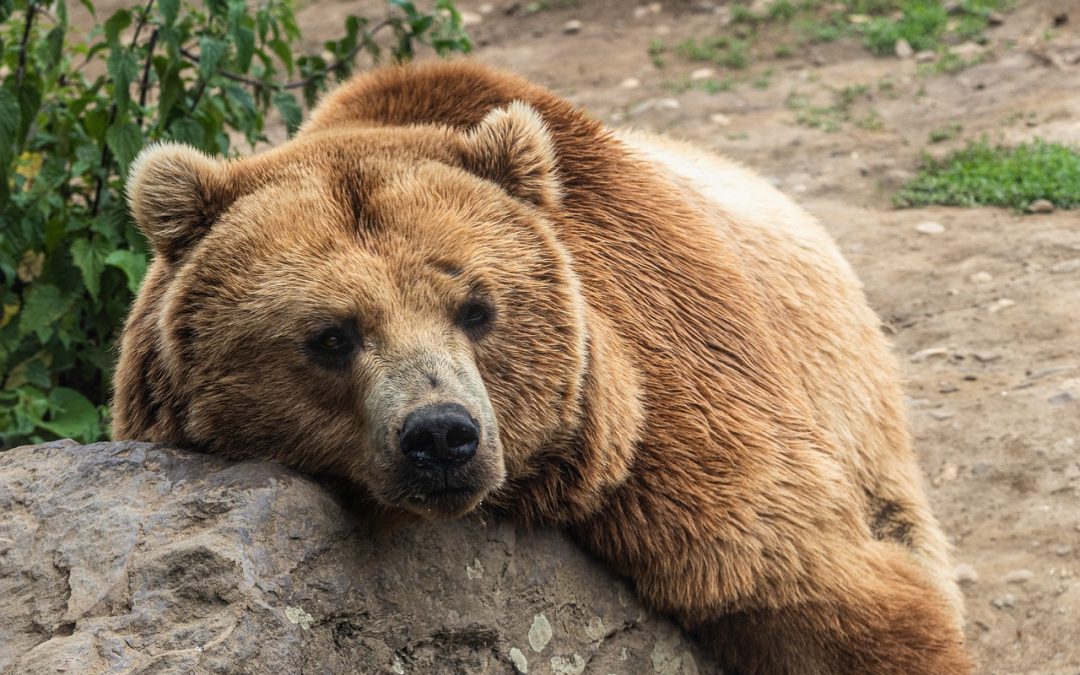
(446, 503)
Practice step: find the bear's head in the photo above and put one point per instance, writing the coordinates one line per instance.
(388, 305)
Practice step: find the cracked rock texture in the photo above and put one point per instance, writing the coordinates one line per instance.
(133, 558)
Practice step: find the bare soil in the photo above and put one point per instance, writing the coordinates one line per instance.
(985, 316)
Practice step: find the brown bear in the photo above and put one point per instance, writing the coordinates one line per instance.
(452, 287)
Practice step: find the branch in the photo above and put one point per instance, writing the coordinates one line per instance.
(295, 84)
(106, 155)
(143, 16)
(144, 85)
(31, 9)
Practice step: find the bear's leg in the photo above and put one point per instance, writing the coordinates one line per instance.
(882, 616)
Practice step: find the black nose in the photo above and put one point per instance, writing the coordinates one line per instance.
(439, 436)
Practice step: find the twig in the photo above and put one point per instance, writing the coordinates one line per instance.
(295, 84)
(144, 86)
(106, 155)
(31, 9)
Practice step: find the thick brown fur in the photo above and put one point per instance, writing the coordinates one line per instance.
(681, 368)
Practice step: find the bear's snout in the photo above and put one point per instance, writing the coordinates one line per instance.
(439, 437)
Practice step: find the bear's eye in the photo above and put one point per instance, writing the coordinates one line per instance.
(332, 347)
(474, 316)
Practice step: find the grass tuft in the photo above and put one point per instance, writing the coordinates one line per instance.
(981, 175)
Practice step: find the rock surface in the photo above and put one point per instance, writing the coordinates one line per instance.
(128, 557)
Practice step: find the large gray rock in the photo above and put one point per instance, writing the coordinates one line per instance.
(128, 557)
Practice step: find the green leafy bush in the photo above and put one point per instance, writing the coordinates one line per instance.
(74, 112)
(980, 174)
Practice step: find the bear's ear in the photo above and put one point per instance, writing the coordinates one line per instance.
(512, 148)
(175, 193)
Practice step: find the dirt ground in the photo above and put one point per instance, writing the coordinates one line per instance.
(984, 314)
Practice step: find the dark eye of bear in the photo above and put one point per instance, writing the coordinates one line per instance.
(333, 347)
(474, 316)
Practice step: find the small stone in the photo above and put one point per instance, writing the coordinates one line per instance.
(925, 56)
(1004, 601)
(471, 18)
(999, 304)
(858, 19)
(903, 49)
(630, 83)
(995, 18)
(929, 227)
(1066, 266)
(948, 473)
(986, 357)
(929, 353)
(572, 27)
(486, 8)
(1063, 551)
(942, 415)
(1062, 398)
(967, 50)
(1019, 576)
(965, 574)
(702, 74)
(720, 119)
(640, 12)
(668, 104)
(947, 388)
(1041, 206)
(981, 278)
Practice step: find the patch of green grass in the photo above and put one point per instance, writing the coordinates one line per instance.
(831, 118)
(817, 31)
(656, 52)
(783, 51)
(743, 14)
(981, 175)
(952, 63)
(763, 79)
(709, 85)
(548, 5)
(922, 23)
(946, 133)
(781, 10)
(721, 50)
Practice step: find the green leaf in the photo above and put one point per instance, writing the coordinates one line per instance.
(169, 10)
(116, 23)
(189, 131)
(284, 52)
(72, 415)
(211, 52)
(125, 139)
(244, 39)
(44, 305)
(9, 129)
(123, 69)
(133, 265)
(89, 256)
(290, 110)
(29, 95)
